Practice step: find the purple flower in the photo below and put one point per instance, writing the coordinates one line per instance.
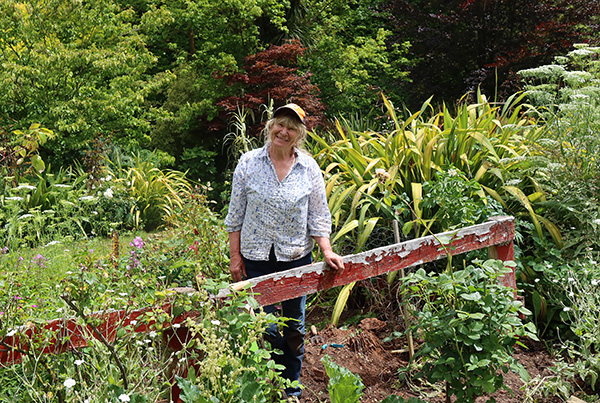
(4, 250)
(39, 259)
(138, 242)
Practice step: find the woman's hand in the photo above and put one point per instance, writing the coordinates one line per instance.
(236, 263)
(334, 260)
(237, 267)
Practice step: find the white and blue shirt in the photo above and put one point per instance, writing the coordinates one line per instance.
(285, 214)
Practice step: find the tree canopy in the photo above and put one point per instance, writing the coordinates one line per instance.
(166, 74)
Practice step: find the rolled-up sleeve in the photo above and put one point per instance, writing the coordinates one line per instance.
(237, 203)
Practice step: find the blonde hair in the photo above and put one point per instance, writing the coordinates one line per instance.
(291, 123)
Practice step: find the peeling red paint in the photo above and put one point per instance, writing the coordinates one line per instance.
(497, 235)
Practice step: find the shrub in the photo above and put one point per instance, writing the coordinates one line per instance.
(469, 324)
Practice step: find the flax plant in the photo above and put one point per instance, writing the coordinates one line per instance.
(376, 176)
(157, 192)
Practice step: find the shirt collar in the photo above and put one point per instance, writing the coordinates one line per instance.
(301, 156)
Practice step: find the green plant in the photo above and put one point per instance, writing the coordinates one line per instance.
(239, 140)
(156, 192)
(344, 386)
(20, 156)
(566, 94)
(469, 324)
(454, 201)
(232, 363)
(373, 178)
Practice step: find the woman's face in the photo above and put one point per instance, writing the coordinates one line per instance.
(283, 136)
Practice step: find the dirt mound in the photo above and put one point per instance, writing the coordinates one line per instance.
(361, 349)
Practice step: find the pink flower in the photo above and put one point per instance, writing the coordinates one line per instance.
(137, 242)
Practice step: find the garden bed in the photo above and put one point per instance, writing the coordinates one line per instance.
(377, 363)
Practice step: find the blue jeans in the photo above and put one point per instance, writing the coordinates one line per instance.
(291, 343)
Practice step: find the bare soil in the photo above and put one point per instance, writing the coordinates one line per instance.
(377, 362)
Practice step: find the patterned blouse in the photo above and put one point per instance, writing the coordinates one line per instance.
(285, 214)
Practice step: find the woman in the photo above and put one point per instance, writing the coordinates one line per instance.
(278, 209)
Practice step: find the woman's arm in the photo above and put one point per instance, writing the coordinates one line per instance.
(236, 263)
(331, 258)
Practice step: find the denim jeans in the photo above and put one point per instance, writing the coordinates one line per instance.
(291, 342)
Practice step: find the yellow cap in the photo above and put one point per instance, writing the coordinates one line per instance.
(298, 111)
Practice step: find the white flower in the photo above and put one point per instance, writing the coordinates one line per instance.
(78, 362)
(177, 325)
(594, 282)
(152, 334)
(133, 322)
(571, 294)
(215, 322)
(537, 280)
(382, 174)
(108, 193)
(69, 383)
(124, 398)
(566, 309)
(571, 279)
(11, 333)
(452, 172)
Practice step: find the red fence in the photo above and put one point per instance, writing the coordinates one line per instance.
(497, 235)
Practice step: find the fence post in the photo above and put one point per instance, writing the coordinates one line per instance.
(506, 253)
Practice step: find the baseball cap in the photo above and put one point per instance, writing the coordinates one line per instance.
(298, 111)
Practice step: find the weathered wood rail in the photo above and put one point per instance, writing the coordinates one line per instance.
(497, 235)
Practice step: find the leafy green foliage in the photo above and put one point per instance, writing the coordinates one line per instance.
(233, 367)
(384, 172)
(572, 291)
(469, 324)
(156, 192)
(375, 177)
(567, 95)
(76, 69)
(97, 277)
(344, 386)
(456, 201)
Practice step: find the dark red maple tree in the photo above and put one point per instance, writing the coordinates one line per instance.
(273, 74)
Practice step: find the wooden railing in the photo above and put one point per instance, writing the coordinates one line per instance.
(497, 235)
